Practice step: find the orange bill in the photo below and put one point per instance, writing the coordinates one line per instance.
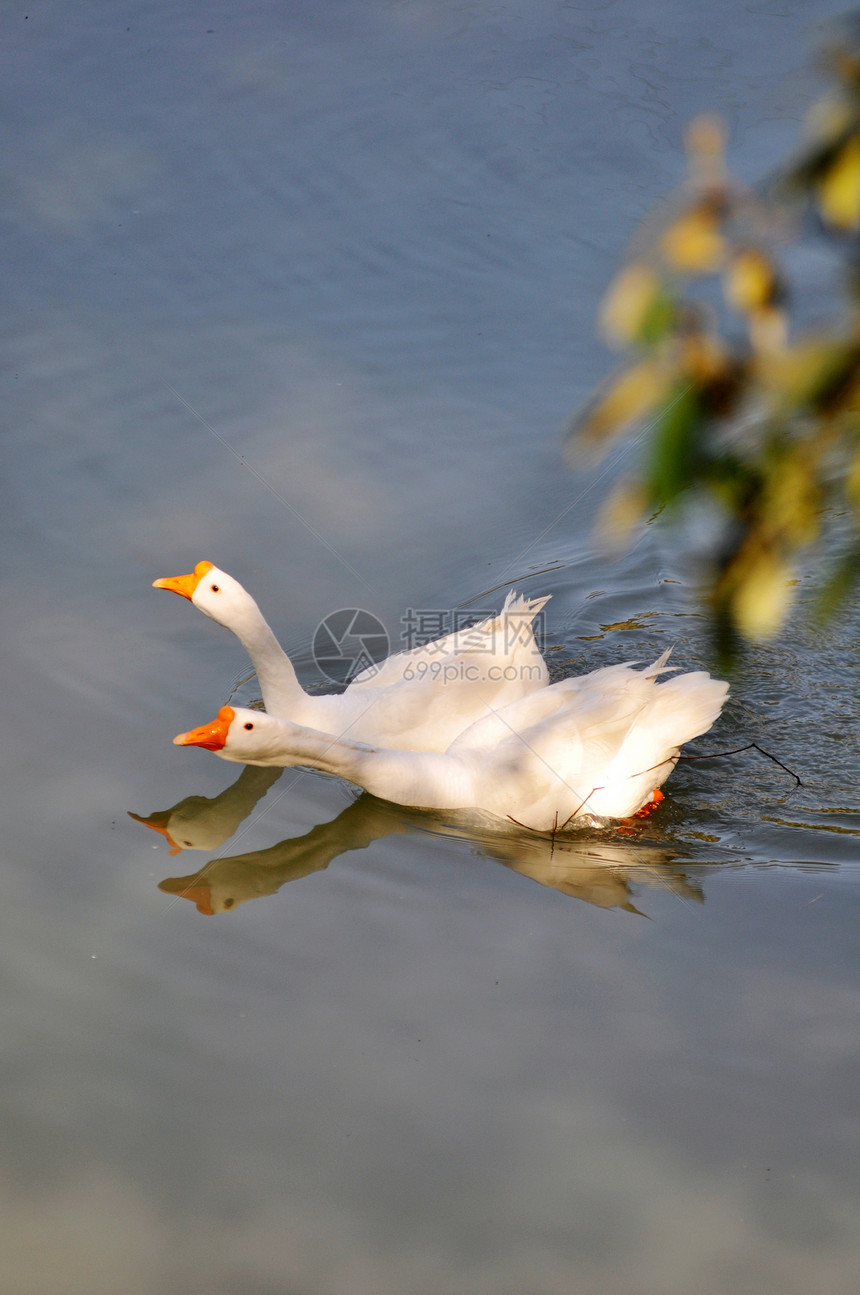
(158, 824)
(190, 888)
(184, 585)
(212, 736)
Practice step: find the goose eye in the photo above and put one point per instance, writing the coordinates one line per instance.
(228, 903)
(215, 589)
(249, 726)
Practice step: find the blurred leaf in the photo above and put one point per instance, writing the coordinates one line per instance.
(622, 513)
(628, 397)
(674, 448)
(768, 329)
(829, 121)
(791, 498)
(637, 307)
(828, 126)
(839, 188)
(762, 596)
(709, 366)
(733, 482)
(844, 57)
(766, 426)
(808, 374)
(694, 243)
(750, 282)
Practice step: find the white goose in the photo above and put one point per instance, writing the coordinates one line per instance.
(414, 701)
(591, 748)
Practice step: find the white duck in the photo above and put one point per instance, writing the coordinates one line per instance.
(414, 701)
(591, 748)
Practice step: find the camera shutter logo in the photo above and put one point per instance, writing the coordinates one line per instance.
(347, 642)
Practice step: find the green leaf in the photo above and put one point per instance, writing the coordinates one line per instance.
(675, 450)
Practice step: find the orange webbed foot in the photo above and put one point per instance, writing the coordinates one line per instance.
(626, 825)
(650, 805)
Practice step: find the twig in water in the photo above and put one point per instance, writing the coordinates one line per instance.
(750, 746)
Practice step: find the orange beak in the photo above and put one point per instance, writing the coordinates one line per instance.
(184, 585)
(213, 736)
(185, 887)
(157, 823)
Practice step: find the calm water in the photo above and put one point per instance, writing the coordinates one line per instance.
(308, 290)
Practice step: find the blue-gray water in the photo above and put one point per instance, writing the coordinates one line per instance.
(309, 290)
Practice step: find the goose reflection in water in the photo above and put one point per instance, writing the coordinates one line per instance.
(204, 822)
(584, 866)
(222, 884)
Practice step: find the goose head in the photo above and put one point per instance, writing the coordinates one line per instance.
(159, 822)
(246, 736)
(196, 888)
(215, 593)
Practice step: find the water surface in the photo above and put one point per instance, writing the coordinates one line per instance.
(309, 291)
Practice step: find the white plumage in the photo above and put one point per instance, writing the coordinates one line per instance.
(590, 748)
(418, 700)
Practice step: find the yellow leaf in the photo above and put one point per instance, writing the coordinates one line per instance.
(628, 397)
(802, 374)
(750, 281)
(763, 596)
(828, 119)
(621, 513)
(632, 295)
(839, 189)
(791, 501)
(694, 243)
